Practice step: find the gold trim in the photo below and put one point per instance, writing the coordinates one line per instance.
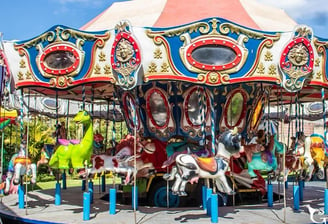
(226, 28)
(102, 56)
(202, 27)
(107, 69)
(272, 70)
(165, 67)
(158, 53)
(97, 69)
(268, 56)
(62, 34)
(260, 69)
(152, 68)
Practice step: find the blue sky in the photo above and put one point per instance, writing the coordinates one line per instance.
(25, 19)
(21, 20)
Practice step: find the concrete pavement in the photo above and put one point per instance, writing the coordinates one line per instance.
(41, 208)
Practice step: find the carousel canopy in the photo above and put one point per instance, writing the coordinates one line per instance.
(155, 54)
(166, 13)
(245, 42)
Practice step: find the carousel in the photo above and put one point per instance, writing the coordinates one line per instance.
(193, 82)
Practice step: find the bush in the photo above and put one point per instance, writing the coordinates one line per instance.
(44, 177)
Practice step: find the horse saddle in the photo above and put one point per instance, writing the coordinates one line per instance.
(209, 163)
(317, 145)
(22, 160)
(66, 142)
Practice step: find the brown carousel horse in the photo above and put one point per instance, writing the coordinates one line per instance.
(299, 161)
(298, 158)
(123, 161)
(261, 156)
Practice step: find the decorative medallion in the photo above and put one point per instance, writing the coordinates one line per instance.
(297, 59)
(125, 56)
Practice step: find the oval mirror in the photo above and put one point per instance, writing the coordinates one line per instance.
(59, 59)
(235, 109)
(130, 107)
(194, 109)
(49, 103)
(257, 113)
(214, 55)
(158, 108)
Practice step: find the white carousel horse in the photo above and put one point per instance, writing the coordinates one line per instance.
(123, 161)
(189, 168)
(315, 147)
(299, 159)
(19, 166)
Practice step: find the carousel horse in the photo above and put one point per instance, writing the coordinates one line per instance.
(74, 154)
(44, 159)
(98, 142)
(19, 166)
(123, 161)
(190, 167)
(299, 159)
(318, 148)
(11, 189)
(177, 145)
(262, 157)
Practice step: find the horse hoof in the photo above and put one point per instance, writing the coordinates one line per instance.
(320, 175)
(281, 178)
(166, 176)
(183, 194)
(271, 176)
(16, 181)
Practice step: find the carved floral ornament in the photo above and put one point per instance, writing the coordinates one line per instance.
(297, 59)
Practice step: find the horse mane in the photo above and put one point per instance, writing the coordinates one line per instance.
(128, 141)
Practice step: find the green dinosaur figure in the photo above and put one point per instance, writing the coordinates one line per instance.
(74, 155)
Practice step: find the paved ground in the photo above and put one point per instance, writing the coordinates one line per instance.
(41, 207)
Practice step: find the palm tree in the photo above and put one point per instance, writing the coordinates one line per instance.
(40, 133)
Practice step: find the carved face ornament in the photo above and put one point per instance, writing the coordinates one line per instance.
(298, 55)
(124, 51)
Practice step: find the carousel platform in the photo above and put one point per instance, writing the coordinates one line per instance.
(41, 208)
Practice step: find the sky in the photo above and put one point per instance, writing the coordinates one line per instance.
(26, 19)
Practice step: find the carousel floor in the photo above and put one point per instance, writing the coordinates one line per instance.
(41, 208)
